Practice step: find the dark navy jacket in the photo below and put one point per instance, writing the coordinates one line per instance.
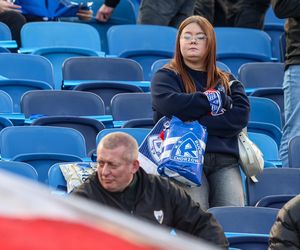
(169, 98)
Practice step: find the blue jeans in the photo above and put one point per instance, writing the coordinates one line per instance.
(291, 88)
(221, 182)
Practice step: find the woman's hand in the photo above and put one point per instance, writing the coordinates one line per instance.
(8, 6)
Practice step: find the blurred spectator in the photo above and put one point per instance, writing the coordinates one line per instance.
(249, 13)
(36, 10)
(10, 15)
(290, 9)
(158, 12)
(285, 233)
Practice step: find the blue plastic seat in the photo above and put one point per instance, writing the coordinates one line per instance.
(35, 35)
(261, 74)
(61, 103)
(274, 201)
(267, 146)
(16, 89)
(6, 103)
(42, 146)
(247, 220)
(265, 110)
(236, 46)
(249, 242)
(56, 180)
(88, 127)
(127, 106)
(139, 123)
(274, 93)
(266, 128)
(96, 69)
(19, 168)
(4, 122)
(138, 133)
(293, 152)
(273, 181)
(6, 38)
(106, 91)
(140, 43)
(274, 26)
(20, 67)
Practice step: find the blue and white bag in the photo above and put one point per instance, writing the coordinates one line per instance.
(180, 154)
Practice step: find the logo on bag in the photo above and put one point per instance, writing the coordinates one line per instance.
(159, 216)
(155, 145)
(187, 149)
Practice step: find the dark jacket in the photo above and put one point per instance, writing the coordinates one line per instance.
(285, 233)
(111, 3)
(169, 98)
(159, 201)
(290, 9)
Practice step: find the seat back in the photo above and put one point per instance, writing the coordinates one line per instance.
(261, 74)
(96, 68)
(265, 110)
(293, 152)
(19, 66)
(56, 179)
(61, 103)
(137, 133)
(107, 90)
(59, 34)
(236, 46)
(42, 146)
(275, 201)
(274, 26)
(6, 103)
(249, 242)
(267, 145)
(5, 33)
(88, 127)
(147, 48)
(57, 56)
(19, 168)
(273, 181)
(16, 89)
(4, 122)
(129, 106)
(255, 220)
(139, 123)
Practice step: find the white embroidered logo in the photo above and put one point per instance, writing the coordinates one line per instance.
(159, 216)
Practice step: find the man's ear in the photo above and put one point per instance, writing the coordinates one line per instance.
(136, 166)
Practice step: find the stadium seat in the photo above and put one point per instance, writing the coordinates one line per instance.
(249, 242)
(274, 26)
(42, 146)
(88, 127)
(261, 75)
(61, 103)
(274, 201)
(4, 122)
(293, 152)
(137, 133)
(265, 110)
(56, 179)
(106, 91)
(19, 66)
(127, 106)
(140, 43)
(139, 123)
(273, 181)
(6, 38)
(236, 46)
(6, 103)
(246, 220)
(19, 168)
(16, 89)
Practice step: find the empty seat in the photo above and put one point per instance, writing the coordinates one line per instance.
(19, 168)
(6, 103)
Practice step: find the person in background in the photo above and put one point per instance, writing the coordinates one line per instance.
(10, 14)
(120, 183)
(157, 12)
(185, 88)
(285, 233)
(290, 9)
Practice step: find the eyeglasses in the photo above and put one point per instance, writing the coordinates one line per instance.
(197, 38)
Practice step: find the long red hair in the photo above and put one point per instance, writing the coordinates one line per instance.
(214, 75)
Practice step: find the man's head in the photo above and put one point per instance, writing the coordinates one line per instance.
(117, 161)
